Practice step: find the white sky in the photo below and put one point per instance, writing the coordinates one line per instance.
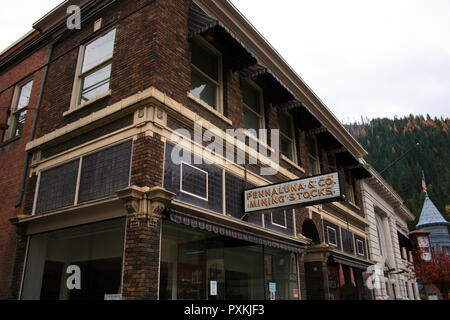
(375, 58)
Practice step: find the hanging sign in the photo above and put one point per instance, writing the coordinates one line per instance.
(303, 192)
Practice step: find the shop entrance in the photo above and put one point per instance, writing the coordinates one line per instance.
(202, 265)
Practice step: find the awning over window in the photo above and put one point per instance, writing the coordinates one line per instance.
(233, 50)
(274, 89)
(327, 141)
(349, 262)
(227, 231)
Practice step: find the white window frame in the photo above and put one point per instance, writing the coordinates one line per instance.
(12, 123)
(201, 42)
(335, 236)
(181, 181)
(261, 108)
(292, 140)
(358, 246)
(75, 103)
(279, 225)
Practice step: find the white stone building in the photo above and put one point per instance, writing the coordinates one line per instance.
(389, 244)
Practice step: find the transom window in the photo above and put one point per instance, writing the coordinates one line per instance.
(95, 73)
(87, 178)
(19, 110)
(253, 108)
(287, 135)
(206, 71)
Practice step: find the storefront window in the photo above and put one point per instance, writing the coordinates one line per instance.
(95, 249)
(202, 265)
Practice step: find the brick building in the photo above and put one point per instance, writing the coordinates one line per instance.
(104, 194)
(19, 102)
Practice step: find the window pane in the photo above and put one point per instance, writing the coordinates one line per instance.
(194, 181)
(251, 120)
(286, 148)
(57, 187)
(105, 172)
(95, 84)
(205, 61)
(203, 89)
(311, 145)
(313, 166)
(97, 249)
(24, 96)
(286, 124)
(251, 97)
(20, 120)
(99, 51)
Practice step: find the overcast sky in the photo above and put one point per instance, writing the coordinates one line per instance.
(362, 58)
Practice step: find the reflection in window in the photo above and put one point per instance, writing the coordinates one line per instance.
(96, 68)
(96, 249)
(19, 110)
(194, 262)
(205, 74)
(253, 113)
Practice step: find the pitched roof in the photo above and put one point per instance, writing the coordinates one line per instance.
(430, 214)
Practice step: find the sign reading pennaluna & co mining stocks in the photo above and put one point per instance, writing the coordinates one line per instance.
(296, 193)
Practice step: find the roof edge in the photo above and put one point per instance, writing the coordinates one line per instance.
(228, 14)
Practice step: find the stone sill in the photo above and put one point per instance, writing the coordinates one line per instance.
(292, 163)
(209, 108)
(87, 103)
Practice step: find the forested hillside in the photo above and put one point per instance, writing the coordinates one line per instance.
(387, 140)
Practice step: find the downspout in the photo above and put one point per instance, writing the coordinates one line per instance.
(33, 128)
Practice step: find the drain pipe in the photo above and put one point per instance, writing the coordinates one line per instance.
(33, 128)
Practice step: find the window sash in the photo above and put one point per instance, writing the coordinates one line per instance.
(291, 153)
(96, 86)
(90, 49)
(198, 94)
(210, 50)
(88, 67)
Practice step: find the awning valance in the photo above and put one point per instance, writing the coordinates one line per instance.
(227, 231)
(274, 89)
(363, 265)
(237, 55)
(327, 140)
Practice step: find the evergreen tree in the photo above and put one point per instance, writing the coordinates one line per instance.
(387, 139)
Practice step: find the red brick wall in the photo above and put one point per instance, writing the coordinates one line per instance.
(12, 161)
(148, 159)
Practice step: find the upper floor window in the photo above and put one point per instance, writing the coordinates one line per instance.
(94, 74)
(206, 74)
(19, 109)
(253, 106)
(349, 187)
(332, 162)
(313, 155)
(287, 137)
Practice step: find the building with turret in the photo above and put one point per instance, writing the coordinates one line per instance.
(432, 220)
